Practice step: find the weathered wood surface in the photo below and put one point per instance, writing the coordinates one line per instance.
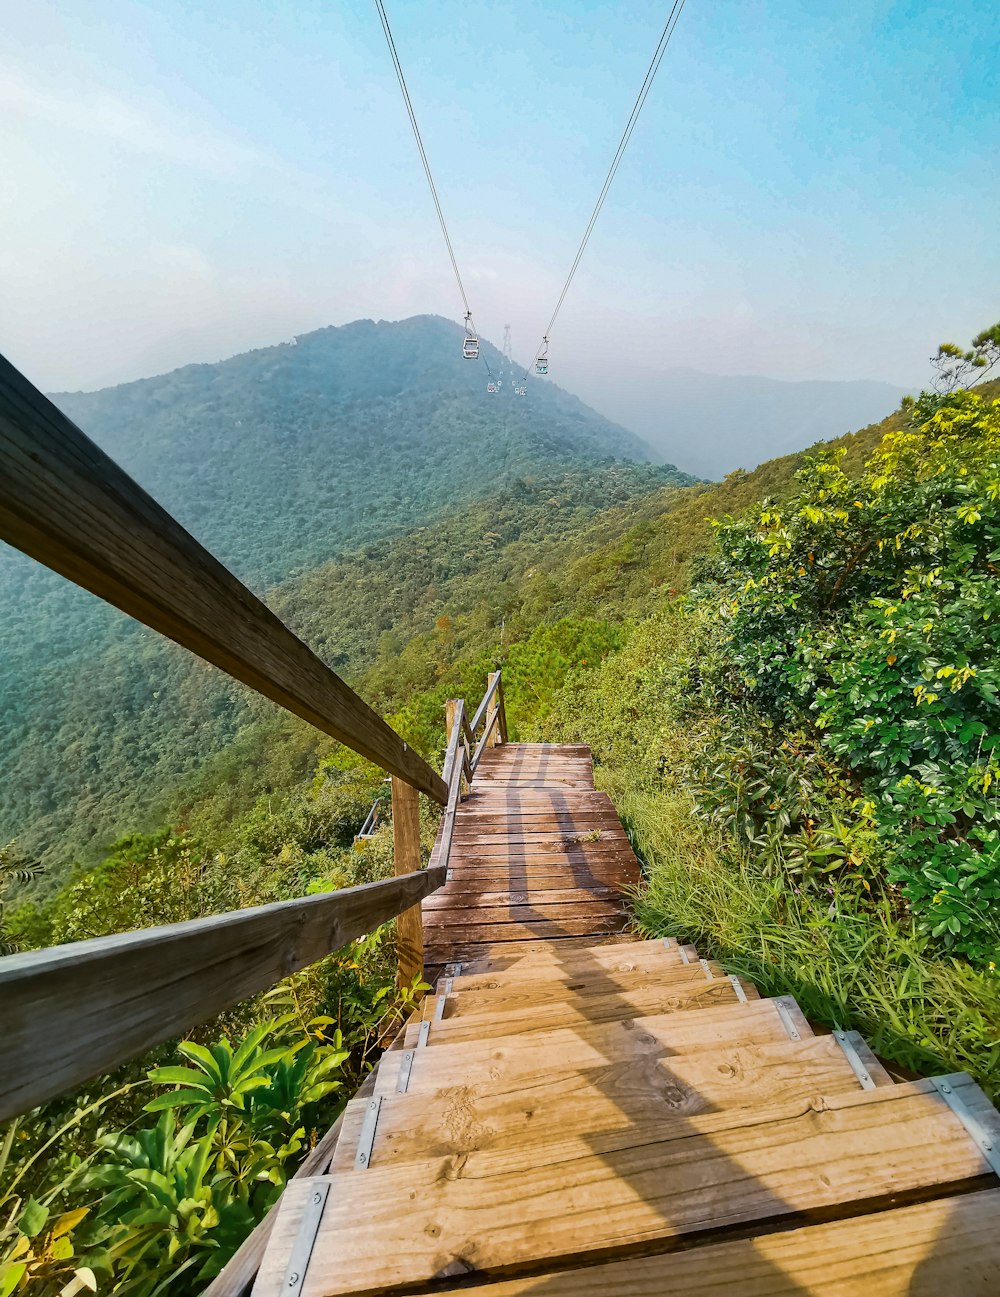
(633, 1001)
(948, 1248)
(406, 860)
(527, 993)
(467, 1115)
(552, 962)
(507, 1061)
(72, 1012)
(620, 1191)
(531, 826)
(68, 504)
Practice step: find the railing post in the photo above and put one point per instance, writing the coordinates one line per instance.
(492, 710)
(406, 860)
(450, 712)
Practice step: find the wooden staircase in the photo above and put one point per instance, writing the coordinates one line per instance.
(579, 1117)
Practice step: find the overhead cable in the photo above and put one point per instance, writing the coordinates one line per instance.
(647, 84)
(423, 154)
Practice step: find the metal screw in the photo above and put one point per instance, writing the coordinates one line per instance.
(362, 1157)
(317, 1198)
(293, 1279)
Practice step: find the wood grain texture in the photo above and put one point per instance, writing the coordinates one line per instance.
(622, 1191)
(578, 991)
(64, 502)
(544, 830)
(629, 1002)
(466, 1115)
(947, 1248)
(406, 860)
(506, 1061)
(72, 1012)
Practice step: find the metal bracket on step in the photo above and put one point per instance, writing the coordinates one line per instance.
(980, 1135)
(425, 1031)
(449, 982)
(786, 1018)
(452, 970)
(405, 1065)
(668, 943)
(685, 957)
(855, 1060)
(449, 874)
(439, 1007)
(305, 1239)
(706, 969)
(737, 986)
(367, 1137)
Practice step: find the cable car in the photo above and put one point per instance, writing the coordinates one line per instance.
(542, 359)
(470, 347)
(521, 391)
(491, 387)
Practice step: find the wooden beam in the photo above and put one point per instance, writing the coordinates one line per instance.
(406, 857)
(64, 502)
(76, 1011)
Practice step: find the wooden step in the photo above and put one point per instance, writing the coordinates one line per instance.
(504, 1060)
(946, 1248)
(547, 964)
(465, 1116)
(635, 1001)
(628, 1190)
(531, 993)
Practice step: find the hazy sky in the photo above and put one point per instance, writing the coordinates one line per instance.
(812, 191)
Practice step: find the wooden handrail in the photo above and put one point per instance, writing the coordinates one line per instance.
(67, 504)
(76, 1011)
(493, 686)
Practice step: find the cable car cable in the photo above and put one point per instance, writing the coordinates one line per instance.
(423, 158)
(637, 107)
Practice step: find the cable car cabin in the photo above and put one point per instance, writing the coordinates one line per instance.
(520, 391)
(491, 387)
(470, 348)
(542, 365)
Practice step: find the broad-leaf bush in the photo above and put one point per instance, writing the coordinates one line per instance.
(867, 614)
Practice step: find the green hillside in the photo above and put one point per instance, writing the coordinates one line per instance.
(279, 460)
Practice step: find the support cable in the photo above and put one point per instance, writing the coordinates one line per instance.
(647, 84)
(423, 155)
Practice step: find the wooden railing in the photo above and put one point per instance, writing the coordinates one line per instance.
(75, 1011)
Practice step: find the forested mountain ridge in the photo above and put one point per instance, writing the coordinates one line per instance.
(278, 460)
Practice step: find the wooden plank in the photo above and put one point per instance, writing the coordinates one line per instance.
(67, 504)
(461, 893)
(527, 993)
(637, 956)
(406, 860)
(946, 1248)
(507, 1061)
(451, 916)
(72, 1012)
(538, 929)
(621, 1191)
(541, 1107)
(633, 1001)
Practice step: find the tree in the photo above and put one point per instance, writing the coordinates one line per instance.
(955, 366)
(14, 869)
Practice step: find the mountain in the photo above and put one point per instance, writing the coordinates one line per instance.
(712, 424)
(279, 460)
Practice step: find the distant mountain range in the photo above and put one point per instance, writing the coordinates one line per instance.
(710, 424)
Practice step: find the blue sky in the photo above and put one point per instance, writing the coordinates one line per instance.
(812, 191)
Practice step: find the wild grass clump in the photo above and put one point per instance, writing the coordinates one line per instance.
(863, 970)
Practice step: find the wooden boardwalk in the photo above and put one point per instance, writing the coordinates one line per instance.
(538, 855)
(578, 1113)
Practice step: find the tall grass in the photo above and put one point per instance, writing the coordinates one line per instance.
(863, 970)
